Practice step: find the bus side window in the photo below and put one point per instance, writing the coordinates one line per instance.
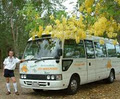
(118, 51)
(69, 46)
(79, 50)
(73, 50)
(100, 50)
(89, 49)
(111, 50)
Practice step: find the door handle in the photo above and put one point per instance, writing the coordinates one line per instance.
(89, 63)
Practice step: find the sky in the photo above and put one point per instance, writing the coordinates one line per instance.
(70, 6)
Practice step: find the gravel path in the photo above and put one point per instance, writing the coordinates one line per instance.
(96, 90)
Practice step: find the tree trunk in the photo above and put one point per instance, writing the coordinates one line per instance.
(0, 59)
(14, 34)
(14, 37)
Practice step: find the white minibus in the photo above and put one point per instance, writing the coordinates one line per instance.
(52, 64)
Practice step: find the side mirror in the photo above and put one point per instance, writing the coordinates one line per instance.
(59, 52)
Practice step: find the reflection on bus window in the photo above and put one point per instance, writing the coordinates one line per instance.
(100, 50)
(111, 50)
(73, 50)
(89, 49)
(118, 50)
(42, 48)
(31, 50)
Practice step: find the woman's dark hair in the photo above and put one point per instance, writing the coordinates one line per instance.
(11, 51)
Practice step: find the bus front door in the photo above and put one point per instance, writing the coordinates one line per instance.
(90, 55)
(91, 69)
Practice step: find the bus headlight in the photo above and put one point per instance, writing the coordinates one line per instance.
(24, 76)
(52, 77)
(48, 77)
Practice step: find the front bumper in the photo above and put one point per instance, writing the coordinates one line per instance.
(43, 84)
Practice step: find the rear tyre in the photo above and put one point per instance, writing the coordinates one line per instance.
(111, 77)
(73, 86)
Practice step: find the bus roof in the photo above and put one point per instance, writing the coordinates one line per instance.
(89, 37)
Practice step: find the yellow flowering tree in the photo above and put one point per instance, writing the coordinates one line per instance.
(102, 17)
(96, 18)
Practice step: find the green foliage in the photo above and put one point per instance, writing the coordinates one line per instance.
(19, 17)
(31, 16)
(59, 14)
(36, 18)
(109, 9)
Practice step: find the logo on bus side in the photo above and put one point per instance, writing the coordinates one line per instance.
(24, 68)
(79, 64)
(47, 68)
(109, 64)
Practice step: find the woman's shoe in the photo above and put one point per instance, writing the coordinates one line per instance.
(8, 93)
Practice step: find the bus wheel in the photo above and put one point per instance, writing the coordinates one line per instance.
(37, 90)
(73, 86)
(110, 79)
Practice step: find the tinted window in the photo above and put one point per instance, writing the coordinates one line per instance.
(100, 50)
(111, 50)
(73, 50)
(89, 49)
(118, 50)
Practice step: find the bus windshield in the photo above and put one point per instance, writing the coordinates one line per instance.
(41, 48)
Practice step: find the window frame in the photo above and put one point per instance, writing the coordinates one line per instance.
(118, 45)
(102, 50)
(92, 42)
(74, 45)
(107, 50)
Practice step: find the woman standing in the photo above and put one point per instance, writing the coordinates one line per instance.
(8, 71)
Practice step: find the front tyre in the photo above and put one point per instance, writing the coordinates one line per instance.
(111, 77)
(73, 86)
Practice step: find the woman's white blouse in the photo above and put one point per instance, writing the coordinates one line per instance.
(10, 63)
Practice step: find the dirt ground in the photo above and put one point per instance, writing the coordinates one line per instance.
(96, 90)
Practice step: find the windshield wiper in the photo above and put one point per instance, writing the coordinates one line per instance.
(31, 59)
(44, 59)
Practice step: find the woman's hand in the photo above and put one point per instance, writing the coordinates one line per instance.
(22, 60)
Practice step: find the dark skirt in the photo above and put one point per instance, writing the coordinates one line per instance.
(9, 73)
